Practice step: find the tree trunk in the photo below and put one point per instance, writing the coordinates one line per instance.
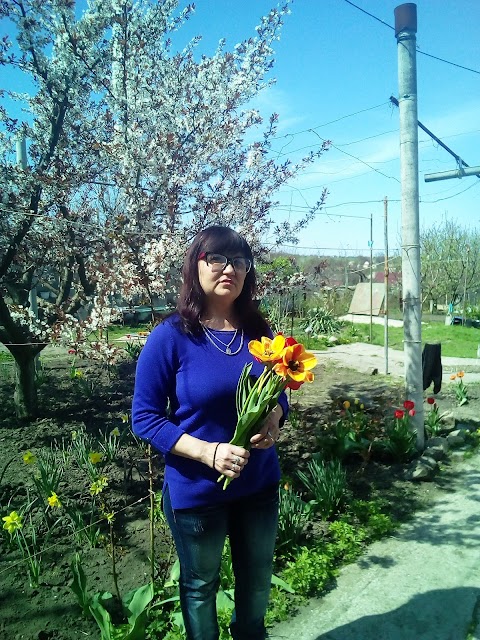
(25, 394)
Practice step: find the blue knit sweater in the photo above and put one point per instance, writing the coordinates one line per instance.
(185, 385)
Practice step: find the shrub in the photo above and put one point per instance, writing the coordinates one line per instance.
(320, 320)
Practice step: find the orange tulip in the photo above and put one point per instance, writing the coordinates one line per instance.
(296, 364)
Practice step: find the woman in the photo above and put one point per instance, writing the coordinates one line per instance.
(184, 405)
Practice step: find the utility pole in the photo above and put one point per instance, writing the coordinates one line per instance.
(386, 274)
(405, 33)
(371, 277)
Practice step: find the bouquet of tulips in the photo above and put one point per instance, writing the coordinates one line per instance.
(286, 365)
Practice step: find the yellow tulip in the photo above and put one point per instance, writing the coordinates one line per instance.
(267, 349)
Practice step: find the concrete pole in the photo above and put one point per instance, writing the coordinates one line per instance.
(405, 32)
(370, 244)
(386, 273)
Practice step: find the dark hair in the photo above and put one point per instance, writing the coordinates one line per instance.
(192, 300)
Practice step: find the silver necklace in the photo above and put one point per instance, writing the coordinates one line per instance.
(211, 336)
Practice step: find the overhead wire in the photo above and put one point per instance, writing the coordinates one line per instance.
(460, 66)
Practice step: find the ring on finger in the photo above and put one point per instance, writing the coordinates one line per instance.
(236, 460)
(235, 468)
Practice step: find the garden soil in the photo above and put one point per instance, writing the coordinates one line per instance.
(50, 611)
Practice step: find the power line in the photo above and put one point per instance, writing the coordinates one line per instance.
(359, 159)
(474, 184)
(454, 64)
(370, 14)
(424, 53)
(325, 124)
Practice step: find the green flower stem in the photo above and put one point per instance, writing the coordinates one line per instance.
(259, 399)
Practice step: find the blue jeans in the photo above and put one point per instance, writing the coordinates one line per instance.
(199, 535)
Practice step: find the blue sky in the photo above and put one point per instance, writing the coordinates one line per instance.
(334, 61)
(335, 70)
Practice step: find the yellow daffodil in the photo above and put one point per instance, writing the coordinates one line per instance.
(54, 501)
(95, 457)
(74, 435)
(296, 364)
(460, 374)
(267, 350)
(12, 522)
(29, 458)
(346, 404)
(99, 485)
(453, 376)
(362, 406)
(78, 373)
(124, 418)
(109, 517)
(115, 432)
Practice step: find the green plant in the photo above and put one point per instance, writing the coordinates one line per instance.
(88, 532)
(295, 416)
(48, 473)
(293, 515)
(41, 375)
(461, 391)
(82, 448)
(27, 542)
(368, 513)
(401, 439)
(320, 320)
(310, 571)
(133, 349)
(327, 482)
(85, 384)
(433, 419)
(110, 444)
(353, 432)
(347, 540)
(134, 605)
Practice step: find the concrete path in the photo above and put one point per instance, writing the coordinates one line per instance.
(421, 584)
(367, 357)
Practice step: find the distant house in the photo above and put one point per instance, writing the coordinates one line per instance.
(394, 277)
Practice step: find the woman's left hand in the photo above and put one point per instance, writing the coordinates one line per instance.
(270, 430)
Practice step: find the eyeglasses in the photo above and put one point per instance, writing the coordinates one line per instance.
(217, 262)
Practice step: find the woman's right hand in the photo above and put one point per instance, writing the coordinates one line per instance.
(228, 459)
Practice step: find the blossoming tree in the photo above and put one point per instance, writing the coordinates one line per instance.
(133, 145)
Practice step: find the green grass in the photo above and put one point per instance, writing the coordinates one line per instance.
(457, 341)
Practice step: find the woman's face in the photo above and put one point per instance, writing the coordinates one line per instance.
(221, 284)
